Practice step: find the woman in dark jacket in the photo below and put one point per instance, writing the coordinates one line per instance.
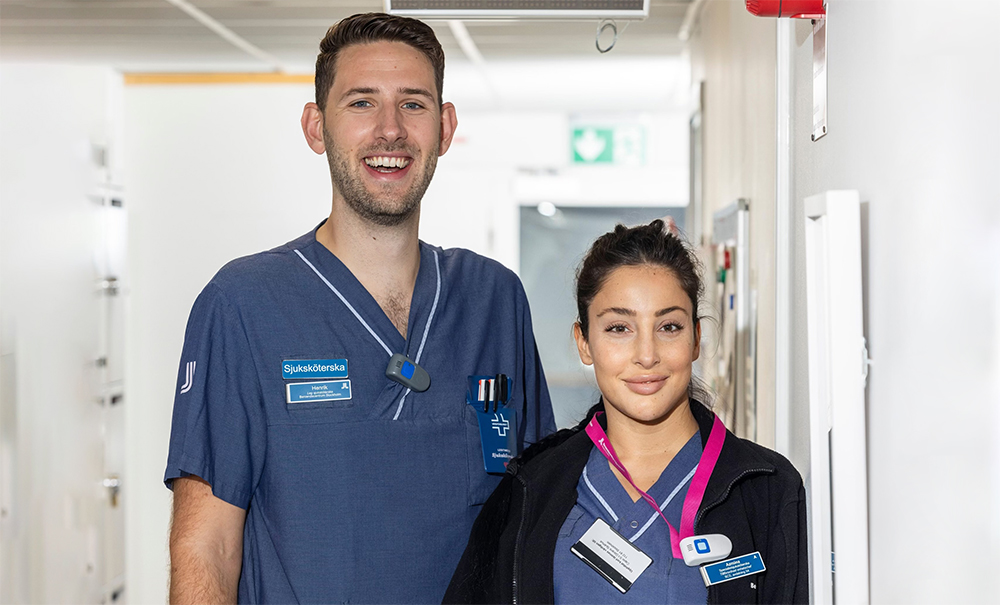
(650, 498)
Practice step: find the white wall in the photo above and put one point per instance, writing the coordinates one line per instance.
(913, 94)
(732, 53)
(213, 172)
(216, 172)
(53, 451)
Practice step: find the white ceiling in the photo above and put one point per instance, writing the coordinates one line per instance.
(155, 35)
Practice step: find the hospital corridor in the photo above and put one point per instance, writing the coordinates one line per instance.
(828, 172)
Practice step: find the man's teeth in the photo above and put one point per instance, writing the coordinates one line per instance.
(387, 162)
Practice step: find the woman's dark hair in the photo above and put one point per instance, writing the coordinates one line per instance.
(652, 244)
(367, 28)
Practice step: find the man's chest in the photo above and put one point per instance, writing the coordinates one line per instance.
(317, 363)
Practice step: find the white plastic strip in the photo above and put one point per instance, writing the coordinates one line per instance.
(427, 329)
(228, 35)
(434, 306)
(691, 19)
(782, 242)
(465, 41)
(600, 498)
(347, 304)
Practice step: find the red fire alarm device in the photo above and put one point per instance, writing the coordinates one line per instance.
(796, 9)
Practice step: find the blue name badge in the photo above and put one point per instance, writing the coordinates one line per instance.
(302, 369)
(730, 569)
(327, 390)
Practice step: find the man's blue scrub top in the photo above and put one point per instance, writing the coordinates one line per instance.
(345, 503)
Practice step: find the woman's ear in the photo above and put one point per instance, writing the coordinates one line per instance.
(582, 346)
(697, 340)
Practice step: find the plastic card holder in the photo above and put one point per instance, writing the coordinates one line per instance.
(497, 422)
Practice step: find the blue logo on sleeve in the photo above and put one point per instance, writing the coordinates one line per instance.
(307, 369)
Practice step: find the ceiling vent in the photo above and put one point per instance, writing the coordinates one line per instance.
(467, 10)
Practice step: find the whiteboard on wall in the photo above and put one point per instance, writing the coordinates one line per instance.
(838, 478)
(734, 381)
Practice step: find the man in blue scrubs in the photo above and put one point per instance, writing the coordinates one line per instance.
(301, 472)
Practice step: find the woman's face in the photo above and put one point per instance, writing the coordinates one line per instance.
(641, 342)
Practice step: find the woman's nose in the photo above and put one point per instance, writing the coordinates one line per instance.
(646, 354)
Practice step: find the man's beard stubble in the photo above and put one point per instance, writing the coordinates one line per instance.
(369, 206)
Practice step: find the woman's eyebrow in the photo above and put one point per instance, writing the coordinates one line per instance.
(662, 312)
(618, 310)
(631, 313)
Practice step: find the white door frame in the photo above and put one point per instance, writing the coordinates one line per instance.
(838, 476)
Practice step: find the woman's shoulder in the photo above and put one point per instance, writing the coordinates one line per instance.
(750, 459)
(740, 456)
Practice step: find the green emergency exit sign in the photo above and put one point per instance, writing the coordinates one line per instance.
(593, 145)
(603, 145)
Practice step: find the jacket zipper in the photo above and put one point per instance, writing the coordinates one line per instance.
(517, 540)
(729, 489)
(722, 499)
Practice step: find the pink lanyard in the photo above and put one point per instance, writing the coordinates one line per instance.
(695, 492)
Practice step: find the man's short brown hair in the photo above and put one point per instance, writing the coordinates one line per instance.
(367, 28)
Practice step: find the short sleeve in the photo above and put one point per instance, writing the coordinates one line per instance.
(218, 430)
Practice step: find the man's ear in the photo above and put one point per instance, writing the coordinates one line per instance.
(449, 122)
(582, 346)
(312, 127)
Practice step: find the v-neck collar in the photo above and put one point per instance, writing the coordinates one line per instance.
(337, 273)
(607, 484)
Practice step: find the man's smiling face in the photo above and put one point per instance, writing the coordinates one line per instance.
(383, 130)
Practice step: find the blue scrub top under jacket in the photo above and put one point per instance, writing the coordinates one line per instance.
(601, 496)
(359, 500)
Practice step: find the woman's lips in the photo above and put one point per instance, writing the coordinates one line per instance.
(646, 384)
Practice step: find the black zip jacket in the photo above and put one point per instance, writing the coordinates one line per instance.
(755, 497)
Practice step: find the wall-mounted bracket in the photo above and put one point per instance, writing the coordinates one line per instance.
(819, 79)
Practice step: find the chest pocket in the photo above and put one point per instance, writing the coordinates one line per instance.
(481, 483)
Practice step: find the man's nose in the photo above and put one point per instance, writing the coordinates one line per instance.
(390, 124)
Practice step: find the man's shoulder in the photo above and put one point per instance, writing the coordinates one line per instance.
(469, 265)
(253, 271)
